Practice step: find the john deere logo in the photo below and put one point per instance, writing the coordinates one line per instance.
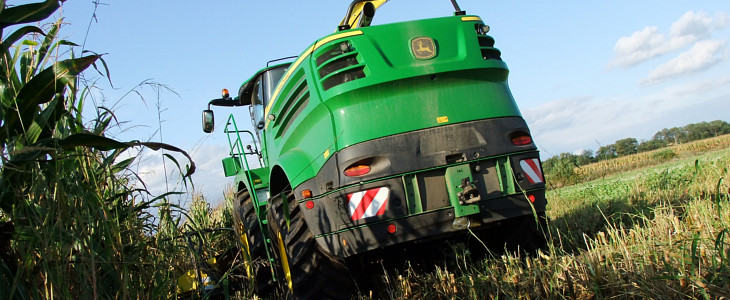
(423, 47)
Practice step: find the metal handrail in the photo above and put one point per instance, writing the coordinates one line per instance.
(237, 151)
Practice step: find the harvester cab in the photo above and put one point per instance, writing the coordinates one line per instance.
(254, 93)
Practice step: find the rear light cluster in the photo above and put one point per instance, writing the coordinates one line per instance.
(357, 170)
(366, 166)
(521, 139)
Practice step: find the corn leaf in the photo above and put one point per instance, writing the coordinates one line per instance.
(27, 13)
(104, 143)
(47, 44)
(17, 35)
(122, 165)
(42, 89)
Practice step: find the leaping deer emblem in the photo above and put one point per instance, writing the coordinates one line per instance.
(423, 48)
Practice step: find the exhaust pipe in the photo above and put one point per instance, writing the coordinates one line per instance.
(458, 12)
(368, 11)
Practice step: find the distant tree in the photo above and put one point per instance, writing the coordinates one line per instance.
(719, 127)
(662, 136)
(691, 132)
(626, 146)
(678, 135)
(606, 152)
(652, 144)
(585, 157)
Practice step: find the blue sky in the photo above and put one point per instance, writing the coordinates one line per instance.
(584, 73)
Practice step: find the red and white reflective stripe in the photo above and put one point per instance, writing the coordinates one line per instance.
(368, 203)
(532, 169)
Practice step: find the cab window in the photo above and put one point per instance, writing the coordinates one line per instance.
(258, 103)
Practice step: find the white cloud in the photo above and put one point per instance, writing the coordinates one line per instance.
(703, 55)
(568, 125)
(648, 43)
(697, 24)
(639, 47)
(723, 20)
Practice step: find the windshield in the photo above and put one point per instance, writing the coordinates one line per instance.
(271, 79)
(262, 90)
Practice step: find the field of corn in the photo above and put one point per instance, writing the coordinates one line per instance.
(612, 166)
(73, 225)
(72, 222)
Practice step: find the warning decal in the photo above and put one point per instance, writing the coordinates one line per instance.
(531, 167)
(368, 203)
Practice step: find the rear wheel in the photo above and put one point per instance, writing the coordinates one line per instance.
(524, 234)
(530, 234)
(251, 246)
(307, 271)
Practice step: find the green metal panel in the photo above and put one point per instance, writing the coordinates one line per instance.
(413, 194)
(506, 177)
(454, 176)
(231, 166)
(392, 91)
(401, 93)
(309, 141)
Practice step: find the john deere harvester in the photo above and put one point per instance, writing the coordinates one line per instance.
(376, 138)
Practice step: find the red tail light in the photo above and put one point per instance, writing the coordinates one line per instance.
(392, 229)
(521, 140)
(357, 170)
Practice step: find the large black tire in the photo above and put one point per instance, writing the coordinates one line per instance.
(251, 244)
(530, 234)
(521, 235)
(306, 271)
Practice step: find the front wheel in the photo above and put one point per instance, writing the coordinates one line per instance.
(307, 271)
(251, 246)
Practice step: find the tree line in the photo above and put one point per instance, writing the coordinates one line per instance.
(565, 162)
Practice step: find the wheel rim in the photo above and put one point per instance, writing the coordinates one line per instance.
(284, 262)
(247, 250)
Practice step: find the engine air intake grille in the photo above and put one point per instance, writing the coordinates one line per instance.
(486, 43)
(339, 63)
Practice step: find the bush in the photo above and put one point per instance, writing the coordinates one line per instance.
(665, 154)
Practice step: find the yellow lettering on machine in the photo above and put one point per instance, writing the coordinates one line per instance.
(443, 119)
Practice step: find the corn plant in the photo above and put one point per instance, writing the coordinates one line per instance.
(72, 225)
